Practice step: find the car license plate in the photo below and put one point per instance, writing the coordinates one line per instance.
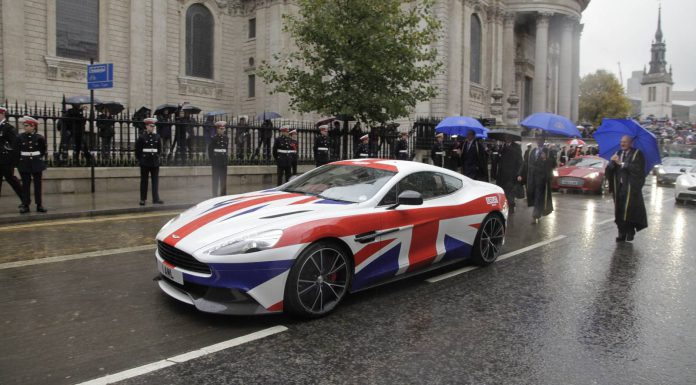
(171, 273)
(571, 182)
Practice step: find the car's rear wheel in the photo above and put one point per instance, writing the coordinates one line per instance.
(489, 240)
(318, 280)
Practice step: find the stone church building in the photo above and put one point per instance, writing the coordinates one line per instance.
(503, 58)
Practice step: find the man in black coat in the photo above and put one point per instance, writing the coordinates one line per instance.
(474, 159)
(437, 152)
(509, 166)
(265, 135)
(106, 131)
(321, 146)
(218, 154)
(8, 161)
(537, 173)
(32, 150)
(626, 176)
(72, 130)
(282, 153)
(401, 147)
(148, 148)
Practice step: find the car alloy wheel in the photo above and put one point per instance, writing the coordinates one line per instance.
(489, 240)
(319, 280)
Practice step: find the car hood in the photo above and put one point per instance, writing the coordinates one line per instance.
(216, 219)
(689, 179)
(675, 169)
(577, 172)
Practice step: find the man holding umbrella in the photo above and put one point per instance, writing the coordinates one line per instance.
(626, 175)
(474, 163)
(537, 173)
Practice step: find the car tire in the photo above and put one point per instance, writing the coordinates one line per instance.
(489, 240)
(319, 280)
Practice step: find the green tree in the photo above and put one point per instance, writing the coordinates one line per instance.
(602, 96)
(372, 59)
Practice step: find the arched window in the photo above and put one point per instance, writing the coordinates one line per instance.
(475, 65)
(199, 41)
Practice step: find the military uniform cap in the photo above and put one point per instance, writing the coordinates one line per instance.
(366, 136)
(293, 132)
(284, 129)
(323, 127)
(3, 109)
(220, 123)
(29, 120)
(150, 120)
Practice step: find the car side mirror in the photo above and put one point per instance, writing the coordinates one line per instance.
(683, 171)
(408, 198)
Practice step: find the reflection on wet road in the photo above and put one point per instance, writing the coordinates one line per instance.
(578, 310)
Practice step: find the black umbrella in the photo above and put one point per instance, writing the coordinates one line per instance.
(166, 108)
(501, 133)
(190, 108)
(141, 113)
(80, 99)
(345, 117)
(114, 108)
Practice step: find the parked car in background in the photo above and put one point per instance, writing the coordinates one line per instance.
(585, 173)
(670, 169)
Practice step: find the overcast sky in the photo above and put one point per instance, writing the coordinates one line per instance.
(623, 30)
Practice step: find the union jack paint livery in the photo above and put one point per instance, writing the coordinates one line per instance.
(298, 250)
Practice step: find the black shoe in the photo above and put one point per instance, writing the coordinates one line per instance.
(621, 238)
(24, 209)
(158, 202)
(535, 221)
(142, 203)
(20, 206)
(629, 237)
(41, 209)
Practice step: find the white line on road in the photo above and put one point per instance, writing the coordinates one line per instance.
(500, 258)
(62, 258)
(151, 367)
(605, 221)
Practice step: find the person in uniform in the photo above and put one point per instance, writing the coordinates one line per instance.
(401, 147)
(626, 176)
(437, 153)
(282, 153)
(148, 148)
(295, 147)
(473, 158)
(363, 150)
(8, 161)
(537, 173)
(321, 146)
(105, 130)
(218, 154)
(32, 150)
(509, 166)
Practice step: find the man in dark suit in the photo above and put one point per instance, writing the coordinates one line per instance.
(537, 173)
(474, 159)
(626, 176)
(509, 166)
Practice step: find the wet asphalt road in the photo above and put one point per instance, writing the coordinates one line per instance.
(581, 310)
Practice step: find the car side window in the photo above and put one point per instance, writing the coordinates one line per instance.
(452, 184)
(428, 184)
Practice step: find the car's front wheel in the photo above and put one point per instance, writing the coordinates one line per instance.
(489, 240)
(318, 280)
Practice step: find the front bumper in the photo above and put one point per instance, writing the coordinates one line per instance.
(574, 183)
(667, 178)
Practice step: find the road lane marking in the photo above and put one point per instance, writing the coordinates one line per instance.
(63, 258)
(151, 367)
(511, 254)
(90, 220)
(605, 221)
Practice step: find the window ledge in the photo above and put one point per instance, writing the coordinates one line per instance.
(64, 69)
(207, 88)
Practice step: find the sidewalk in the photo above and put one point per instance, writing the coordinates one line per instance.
(61, 206)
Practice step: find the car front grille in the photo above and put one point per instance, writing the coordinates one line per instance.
(692, 188)
(181, 259)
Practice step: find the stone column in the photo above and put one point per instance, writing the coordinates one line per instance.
(541, 62)
(136, 67)
(159, 53)
(12, 28)
(565, 81)
(454, 59)
(575, 86)
(509, 54)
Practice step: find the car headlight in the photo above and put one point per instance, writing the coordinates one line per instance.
(660, 170)
(592, 175)
(683, 182)
(555, 173)
(247, 244)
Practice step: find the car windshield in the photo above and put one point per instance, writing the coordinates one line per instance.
(587, 162)
(341, 182)
(680, 163)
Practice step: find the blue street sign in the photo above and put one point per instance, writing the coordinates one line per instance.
(100, 76)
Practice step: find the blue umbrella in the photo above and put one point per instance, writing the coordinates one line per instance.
(609, 135)
(551, 123)
(268, 115)
(215, 113)
(460, 125)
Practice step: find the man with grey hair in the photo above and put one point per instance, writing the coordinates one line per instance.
(626, 176)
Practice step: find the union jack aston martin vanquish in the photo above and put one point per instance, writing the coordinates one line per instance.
(343, 227)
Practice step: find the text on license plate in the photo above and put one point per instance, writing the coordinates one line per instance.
(571, 182)
(173, 274)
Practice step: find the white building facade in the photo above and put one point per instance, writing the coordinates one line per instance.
(503, 58)
(657, 84)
